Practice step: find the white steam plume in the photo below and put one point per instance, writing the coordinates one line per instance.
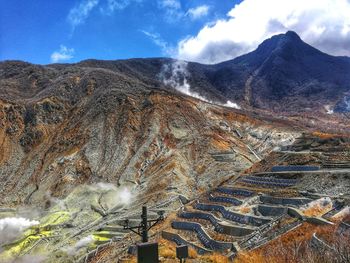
(175, 75)
(105, 186)
(30, 259)
(116, 195)
(233, 105)
(328, 109)
(124, 196)
(12, 227)
(84, 242)
(55, 201)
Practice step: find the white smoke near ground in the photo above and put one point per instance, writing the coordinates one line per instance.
(12, 228)
(328, 109)
(125, 196)
(54, 201)
(176, 75)
(105, 186)
(233, 105)
(84, 242)
(116, 195)
(28, 212)
(30, 259)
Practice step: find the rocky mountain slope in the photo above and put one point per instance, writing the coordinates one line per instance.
(64, 126)
(85, 143)
(81, 145)
(282, 74)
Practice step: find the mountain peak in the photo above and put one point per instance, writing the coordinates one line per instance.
(281, 40)
(292, 35)
(288, 44)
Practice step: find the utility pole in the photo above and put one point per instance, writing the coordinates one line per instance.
(145, 224)
(146, 252)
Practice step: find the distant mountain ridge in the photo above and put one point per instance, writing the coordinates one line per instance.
(284, 74)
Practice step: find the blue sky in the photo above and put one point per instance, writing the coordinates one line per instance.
(45, 31)
(206, 31)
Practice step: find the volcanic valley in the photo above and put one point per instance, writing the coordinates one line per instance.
(242, 161)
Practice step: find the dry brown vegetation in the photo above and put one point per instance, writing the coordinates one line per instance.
(295, 247)
(245, 209)
(215, 258)
(317, 210)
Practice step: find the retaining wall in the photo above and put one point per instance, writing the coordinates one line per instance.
(225, 199)
(320, 244)
(343, 229)
(206, 240)
(233, 216)
(181, 241)
(318, 221)
(284, 201)
(268, 181)
(266, 210)
(234, 191)
(220, 226)
(260, 241)
(204, 216)
(294, 168)
(295, 213)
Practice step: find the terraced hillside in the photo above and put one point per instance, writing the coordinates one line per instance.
(252, 211)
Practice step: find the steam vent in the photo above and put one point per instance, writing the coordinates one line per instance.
(164, 160)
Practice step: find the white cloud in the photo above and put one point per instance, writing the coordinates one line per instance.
(114, 5)
(78, 14)
(198, 11)
(160, 42)
(173, 4)
(173, 10)
(324, 24)
(63, 54)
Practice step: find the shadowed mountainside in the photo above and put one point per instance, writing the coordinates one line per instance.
(282, 74)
